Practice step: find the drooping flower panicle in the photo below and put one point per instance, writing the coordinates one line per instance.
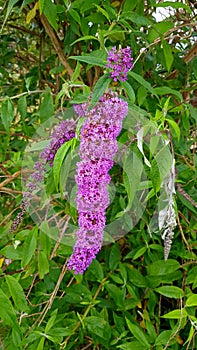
(119, 62)
(98, 145)
(62, 133)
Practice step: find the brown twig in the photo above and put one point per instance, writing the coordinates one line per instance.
(97, 75)
(32, 284)
(4, 170)
(166, 36)
(10, 178)
(59, 238)
(87, 346)
(23, 29)
(182, 234)
(11, 272)
(186, 195)
(53, 295)
(51, 299)
(10, 191)
(56, 44)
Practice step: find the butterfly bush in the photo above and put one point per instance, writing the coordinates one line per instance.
(62, 133)
(98, 145)
(119, 62)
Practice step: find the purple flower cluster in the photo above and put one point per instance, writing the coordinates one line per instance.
(97, 147)
(62, 133)
(120, 62)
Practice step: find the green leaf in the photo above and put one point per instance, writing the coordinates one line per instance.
(133, 345)
(176, 314)
(175, 5)
(129, 6)
(96, 58)
(165, 90)
(141, 95)
(64, 173)
(136, 278)
(17, 293)
(11, 4)
(43, 264)
(38, 146)
(138, 334)
(186, 202)
(16, 338)
(29, 246)
(161, 267)
(191, 334)
(51, 321)
(7, 113)
(136, 18)
(7, 314)
(76, 72)
(44, 243)
(133, 169)
(115, 35)
(139, 253)
(99, 90)
(60, 331)
(46, 107)
(170, 291)
(143, 82)
(123, 272)
(99, 327)
(114, 257)
(104, 13)
(155, 176)
(25, 3)
(169, 58)
(50, 11)
(129, 90)
(116, 293)
(41, 5)
(78, 293)
(11, 252)
(22, 108)
(74, 14)
(175, 127)
(193, 112)
(162, 338)
(86, 37)
(159, 29)
(95, 271)
(41, 344)
(164, 161)
(192, 300)
(58, 160)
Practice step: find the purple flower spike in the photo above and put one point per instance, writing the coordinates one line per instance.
(62, 133)
(97, 147)
(120, 62)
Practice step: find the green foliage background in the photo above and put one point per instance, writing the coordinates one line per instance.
(52, 54)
